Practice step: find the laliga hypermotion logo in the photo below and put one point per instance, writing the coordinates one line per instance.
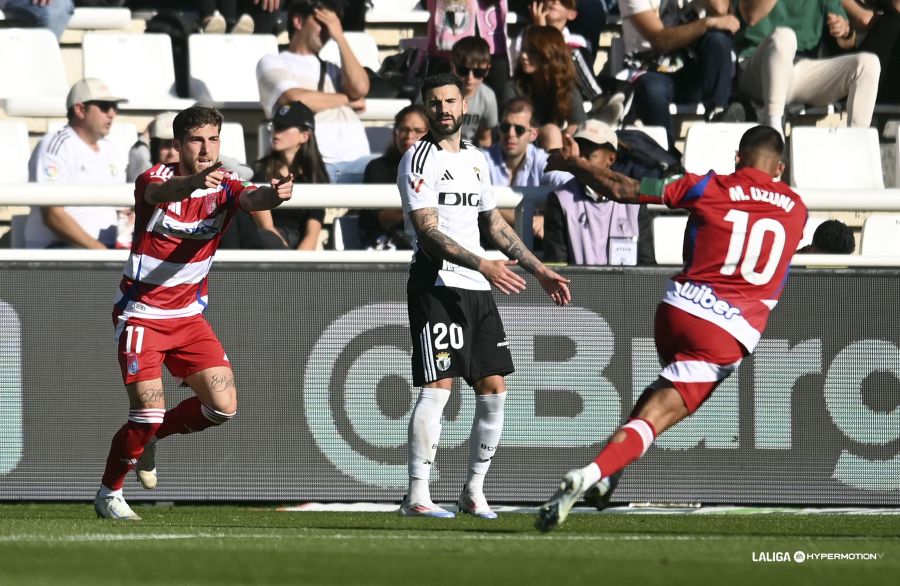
(416, 185)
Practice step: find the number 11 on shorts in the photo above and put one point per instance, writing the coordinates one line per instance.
(134, 334)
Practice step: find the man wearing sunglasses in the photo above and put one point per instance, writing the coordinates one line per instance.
(470, 60)
(78, 153)
(515, 161)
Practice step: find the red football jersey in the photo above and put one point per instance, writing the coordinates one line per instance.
(173, 247)
(742, 231)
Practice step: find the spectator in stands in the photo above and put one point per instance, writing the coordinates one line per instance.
(470, 60)
(50, 14)
(558, 14)
(332, 92)
(580, 225)
(831, 237)
(878, 23)
(778, 64)
(294, 151)
(78, 153)
(545, 75)
(452, 20)
(673, 55)
(592, 16)
(516, 162)
(161, 149)
(383, 229)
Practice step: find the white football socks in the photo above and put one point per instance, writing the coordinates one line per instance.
(486, 429)
(424, 435)
(591, 474)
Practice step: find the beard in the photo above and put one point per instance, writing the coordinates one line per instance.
(443, 130)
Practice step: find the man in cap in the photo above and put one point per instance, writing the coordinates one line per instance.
(79, 152)
(580, 225)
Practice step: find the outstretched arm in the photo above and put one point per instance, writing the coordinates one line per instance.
(505, 238)
(615, 186)
(266, 198)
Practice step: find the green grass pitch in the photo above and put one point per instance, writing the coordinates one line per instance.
(63, 544)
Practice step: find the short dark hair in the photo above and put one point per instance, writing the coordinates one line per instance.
(440, 80)
(195, 117)
(518, 105)
(305, 8)
(761, 139)
(834, 237)
(470, 50)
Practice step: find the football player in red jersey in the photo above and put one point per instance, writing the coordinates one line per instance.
(742, 231)
(182, 209)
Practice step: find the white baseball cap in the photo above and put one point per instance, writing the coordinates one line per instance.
(597, 132)
(90, 89)
(161, 126)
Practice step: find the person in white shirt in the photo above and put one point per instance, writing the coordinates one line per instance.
(78, 153)
(456, 329)
(334, 93)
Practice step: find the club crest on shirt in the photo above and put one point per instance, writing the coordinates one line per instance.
(132, 363)
(478, 174)
(442, 361)
(211, 203)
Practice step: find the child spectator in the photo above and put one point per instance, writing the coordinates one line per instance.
(470, 60)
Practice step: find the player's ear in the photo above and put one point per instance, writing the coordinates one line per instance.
(780, 169)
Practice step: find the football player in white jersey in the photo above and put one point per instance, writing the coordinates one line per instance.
(456, 330)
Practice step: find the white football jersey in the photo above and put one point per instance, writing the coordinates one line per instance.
(458, 185)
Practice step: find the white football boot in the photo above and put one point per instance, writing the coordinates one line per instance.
(145, 469)
(429, 509)
(571, 489)
(475, 505)
(114, 507)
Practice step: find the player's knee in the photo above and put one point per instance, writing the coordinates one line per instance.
(218, 416)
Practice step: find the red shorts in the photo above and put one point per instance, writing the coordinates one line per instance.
(697, 354)
(185, 345)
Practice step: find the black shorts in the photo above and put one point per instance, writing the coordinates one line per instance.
(456, 333)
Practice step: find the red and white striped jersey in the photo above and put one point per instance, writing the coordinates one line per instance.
(173, 247)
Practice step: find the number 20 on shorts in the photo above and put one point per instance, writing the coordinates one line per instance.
(447, 337)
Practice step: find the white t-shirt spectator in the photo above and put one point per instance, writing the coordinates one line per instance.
(62, 157)
(339, 132)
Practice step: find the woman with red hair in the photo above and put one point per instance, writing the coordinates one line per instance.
(545, 75)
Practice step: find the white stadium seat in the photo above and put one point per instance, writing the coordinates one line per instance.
(881, 235)
(93, 18)
(223, 68)
(135, 66)
(14, 142)
(713, 146)
(363, 46)
(232, 141)
(835, 158)
(34, 78)
(668, 239)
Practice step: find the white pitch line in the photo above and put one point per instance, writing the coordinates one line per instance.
(412, 536)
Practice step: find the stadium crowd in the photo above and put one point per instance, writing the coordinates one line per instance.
(734, 61)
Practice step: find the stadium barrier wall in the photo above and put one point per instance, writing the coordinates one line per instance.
(321, 353)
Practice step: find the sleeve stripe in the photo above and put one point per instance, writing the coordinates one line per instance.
(418, 158)
(57, 141)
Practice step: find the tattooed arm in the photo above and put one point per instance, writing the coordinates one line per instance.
(506, 239)
(615, 186)
(439, 245)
